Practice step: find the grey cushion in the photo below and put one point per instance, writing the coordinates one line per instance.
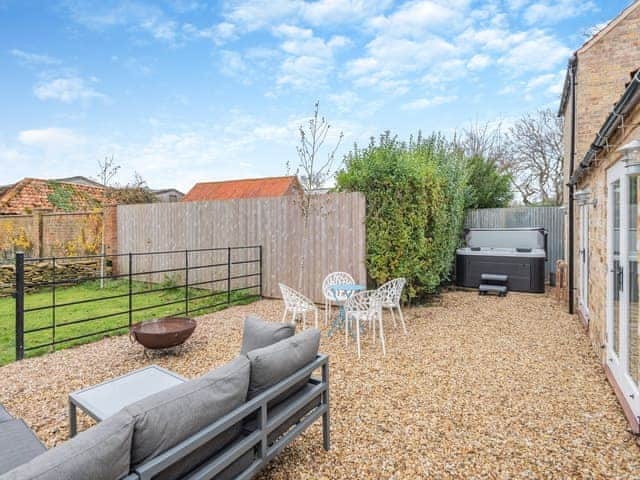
(4, 415)
(18, 444)
(164, 419)
(99, 453)
(258, 334)
(272, 364)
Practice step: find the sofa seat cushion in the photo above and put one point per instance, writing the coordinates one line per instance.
(259, 334)
(166, 418)
(18, 444)
(4, 415)
(100, 453)
(272, 364)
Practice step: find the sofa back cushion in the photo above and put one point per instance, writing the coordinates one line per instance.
(258, 334)
(102, 452)
(272, 364)
(166, 418)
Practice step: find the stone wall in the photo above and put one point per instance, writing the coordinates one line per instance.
(39, 272)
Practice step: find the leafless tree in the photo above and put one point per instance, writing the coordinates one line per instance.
(535, 152)
(314, 170)
(108, 169)
(486, 140)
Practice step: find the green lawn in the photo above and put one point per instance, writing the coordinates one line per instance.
(142, 298)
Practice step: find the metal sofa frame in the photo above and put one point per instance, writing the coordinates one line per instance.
(257, 440)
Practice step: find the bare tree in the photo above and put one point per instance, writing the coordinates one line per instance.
(108, 169)
(486, 140)
(314, 170)
(535, 153)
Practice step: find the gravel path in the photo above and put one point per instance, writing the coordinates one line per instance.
(482, 387)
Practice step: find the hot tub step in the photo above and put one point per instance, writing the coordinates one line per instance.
(501, 290)
(494, 278)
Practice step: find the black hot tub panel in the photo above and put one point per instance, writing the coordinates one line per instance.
(518, 253)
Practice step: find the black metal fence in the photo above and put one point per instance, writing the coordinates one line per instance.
(131, 287)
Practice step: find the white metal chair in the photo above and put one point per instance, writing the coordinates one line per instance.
(297, 304)
(364, 308)
(335, 278)
(390, 294)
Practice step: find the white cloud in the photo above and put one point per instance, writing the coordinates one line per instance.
(554, 11)
(309, 59)
(134, 15)
(539, 52)
(33, 59)
(422, 103)
(50, 138)
(479, 62)
(233, 65)
(445, 72)
(254, 14)
(219, 33)
(66, 89)
(332, 12)
(420, 17)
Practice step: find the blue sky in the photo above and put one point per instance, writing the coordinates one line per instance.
(186, 90)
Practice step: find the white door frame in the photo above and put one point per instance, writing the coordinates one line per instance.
(618, 363)
(583, 297)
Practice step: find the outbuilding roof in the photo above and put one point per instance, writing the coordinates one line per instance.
(243, 188)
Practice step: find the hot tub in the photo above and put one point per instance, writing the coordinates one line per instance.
(519, 253)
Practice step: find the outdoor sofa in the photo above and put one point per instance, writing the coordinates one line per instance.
(226, 424)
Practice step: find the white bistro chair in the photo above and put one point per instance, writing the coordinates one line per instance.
(298, 305)
(390, 294)
(335, 278)
(364, 308)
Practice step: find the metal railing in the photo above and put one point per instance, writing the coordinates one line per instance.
(230, 275)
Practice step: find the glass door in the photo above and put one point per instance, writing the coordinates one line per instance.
(623, 286)
(616, 273)
(631, 336)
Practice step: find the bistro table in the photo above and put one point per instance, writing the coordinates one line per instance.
(107, 398)
(347, 289)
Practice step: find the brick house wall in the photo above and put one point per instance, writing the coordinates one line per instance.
(604, 67)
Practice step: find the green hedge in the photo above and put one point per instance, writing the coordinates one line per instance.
(415, 194)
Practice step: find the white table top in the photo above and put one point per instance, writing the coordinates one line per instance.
(105, 399)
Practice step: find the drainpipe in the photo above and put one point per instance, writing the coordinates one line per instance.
(573, 63)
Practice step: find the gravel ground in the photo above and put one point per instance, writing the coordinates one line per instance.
(482, 387)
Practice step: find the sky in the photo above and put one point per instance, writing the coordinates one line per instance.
(183, 91)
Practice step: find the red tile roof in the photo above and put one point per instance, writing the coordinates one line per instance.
(31, 193)
(245, 188)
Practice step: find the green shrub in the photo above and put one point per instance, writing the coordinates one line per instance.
(415, 195)
(489, 186)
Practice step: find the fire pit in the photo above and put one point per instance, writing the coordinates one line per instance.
(163, 333)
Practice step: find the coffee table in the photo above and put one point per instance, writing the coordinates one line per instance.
(107, 398)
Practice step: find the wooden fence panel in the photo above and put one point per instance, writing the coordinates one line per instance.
(336, 237)
(551, 218)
